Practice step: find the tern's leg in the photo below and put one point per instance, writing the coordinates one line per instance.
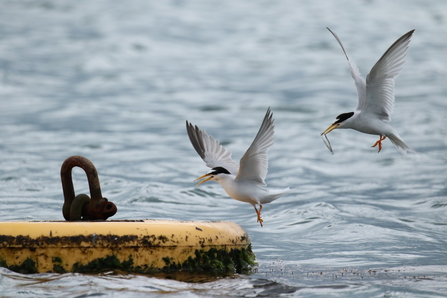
(259, 215)
(379, 142)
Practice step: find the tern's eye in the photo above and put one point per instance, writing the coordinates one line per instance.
(342, 117)
(218, 170)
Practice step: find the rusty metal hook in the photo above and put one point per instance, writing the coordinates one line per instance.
(81, 206)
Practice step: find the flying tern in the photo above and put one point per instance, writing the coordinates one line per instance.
(376, 96)
(245, 182)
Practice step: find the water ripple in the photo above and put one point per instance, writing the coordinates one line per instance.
(116, 81)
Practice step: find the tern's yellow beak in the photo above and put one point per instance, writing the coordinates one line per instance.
(330, 128)
(205, 180)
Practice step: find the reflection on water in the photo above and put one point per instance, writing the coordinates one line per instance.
(115, 82)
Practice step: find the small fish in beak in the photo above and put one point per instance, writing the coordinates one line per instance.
(325, 139)
(327, 143)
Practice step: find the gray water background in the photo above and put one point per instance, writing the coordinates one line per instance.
(115, 81)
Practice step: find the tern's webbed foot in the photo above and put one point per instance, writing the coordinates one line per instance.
(379, 143)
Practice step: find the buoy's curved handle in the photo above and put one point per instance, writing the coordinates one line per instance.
(82, 207)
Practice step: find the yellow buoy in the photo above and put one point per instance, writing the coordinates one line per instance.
(141, 246)
(87, 243)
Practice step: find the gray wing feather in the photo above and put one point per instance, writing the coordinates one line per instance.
(210, 150)
(380, 80)
(254, 163)
(360, 83)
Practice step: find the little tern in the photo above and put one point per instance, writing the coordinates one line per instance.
(244, 183)
(376, 96)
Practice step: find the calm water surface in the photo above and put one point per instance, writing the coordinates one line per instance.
(115, 81)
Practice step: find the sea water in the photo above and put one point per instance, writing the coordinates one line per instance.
(115, 81)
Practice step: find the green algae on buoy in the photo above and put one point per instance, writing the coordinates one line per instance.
(139, 246)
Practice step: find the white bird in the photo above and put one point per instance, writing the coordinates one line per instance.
(244, 183)
(376, 96)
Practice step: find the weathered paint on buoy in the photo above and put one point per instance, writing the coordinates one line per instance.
(141, 246)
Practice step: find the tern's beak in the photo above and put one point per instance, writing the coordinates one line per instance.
(205, 180)
(330, 128)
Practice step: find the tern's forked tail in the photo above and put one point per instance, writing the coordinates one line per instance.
(399, 143)
(275, 194)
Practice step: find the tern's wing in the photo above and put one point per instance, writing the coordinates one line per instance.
(355, 73)
(380, 81)
(210, 150)
(254, 163)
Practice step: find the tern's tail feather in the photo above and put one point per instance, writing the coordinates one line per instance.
(275, 194)
(399, 143)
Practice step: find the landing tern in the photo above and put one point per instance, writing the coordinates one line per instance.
(245, 182)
